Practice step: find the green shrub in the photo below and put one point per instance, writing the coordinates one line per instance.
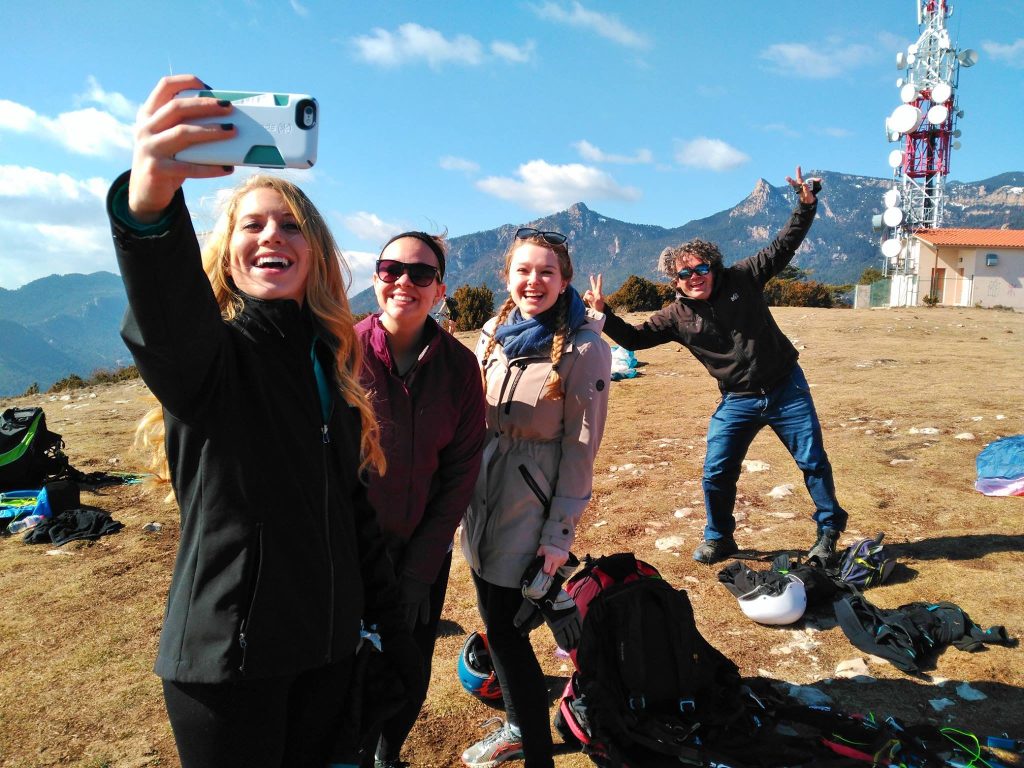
(931, 300)
(870, 275)
(33, 389)
(640, 295)
(475, 306)
(71, 381)
(798, 293)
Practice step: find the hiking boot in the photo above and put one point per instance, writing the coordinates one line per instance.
(825, 547)
(713, 550)
(499, 745)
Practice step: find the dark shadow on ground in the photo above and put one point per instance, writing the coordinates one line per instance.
(958, 547)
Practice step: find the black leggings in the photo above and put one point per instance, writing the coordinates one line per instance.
(270, 723)
(519, 673)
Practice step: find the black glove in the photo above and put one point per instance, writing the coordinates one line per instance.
(414, 599)
(545, 600)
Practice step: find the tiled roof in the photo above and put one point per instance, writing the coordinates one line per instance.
(974, 238)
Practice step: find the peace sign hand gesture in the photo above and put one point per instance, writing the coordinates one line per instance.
(593, 296)
(806, 190)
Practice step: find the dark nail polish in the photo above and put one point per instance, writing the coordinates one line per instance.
(207, 87)
(226, 126)
(223, 103)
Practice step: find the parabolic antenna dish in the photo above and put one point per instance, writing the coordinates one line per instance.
(876, 222)
(905, 118)
(901, 60)
(955, 145)
(891, 248)
(896, 158)
(892, 217)
(891, 198)
(911, 58)
(941, 93)
(908, 93)
(912, 48)
(937, 114)
(968, 57)
(899, 82)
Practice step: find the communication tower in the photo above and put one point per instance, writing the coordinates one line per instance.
(924, 126)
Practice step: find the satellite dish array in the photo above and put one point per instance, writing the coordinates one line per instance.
(924, 125)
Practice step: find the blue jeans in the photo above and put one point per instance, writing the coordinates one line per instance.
(789, 411)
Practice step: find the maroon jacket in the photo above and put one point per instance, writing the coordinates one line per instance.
(432, 432)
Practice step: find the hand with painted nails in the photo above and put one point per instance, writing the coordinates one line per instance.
(161, 131)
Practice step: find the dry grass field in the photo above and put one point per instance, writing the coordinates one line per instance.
(907, 399)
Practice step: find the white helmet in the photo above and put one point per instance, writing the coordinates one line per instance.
(785, 608)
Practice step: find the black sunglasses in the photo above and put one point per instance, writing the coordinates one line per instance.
(552, 238)
(422, 275)
(700, 269)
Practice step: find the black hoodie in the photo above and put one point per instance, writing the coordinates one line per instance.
(733, 333)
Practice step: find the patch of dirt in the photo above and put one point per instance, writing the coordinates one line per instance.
(78, 632)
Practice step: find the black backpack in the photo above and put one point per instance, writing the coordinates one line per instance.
(652, 685)
(30, 454)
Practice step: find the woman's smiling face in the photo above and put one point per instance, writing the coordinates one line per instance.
(269, 254)
(534, 279)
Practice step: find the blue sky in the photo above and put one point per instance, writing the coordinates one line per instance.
(469, 115)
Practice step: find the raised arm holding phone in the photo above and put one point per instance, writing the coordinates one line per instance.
(249, 348)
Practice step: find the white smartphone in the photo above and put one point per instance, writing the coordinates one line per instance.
(275, 130)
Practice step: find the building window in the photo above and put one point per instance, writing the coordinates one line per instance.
(991, 259)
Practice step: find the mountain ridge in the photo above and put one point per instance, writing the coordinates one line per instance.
(69, 323)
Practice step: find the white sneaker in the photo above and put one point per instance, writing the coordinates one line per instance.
(499, 745)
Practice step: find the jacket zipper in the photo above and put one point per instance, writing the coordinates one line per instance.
(521, 366)
(243, 641)
(326, 436)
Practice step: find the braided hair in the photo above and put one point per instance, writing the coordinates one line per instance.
(553, 390)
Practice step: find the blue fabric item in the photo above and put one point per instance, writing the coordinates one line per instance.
(1002, 458)
(789, 411)
(522, 337)
(322, 387)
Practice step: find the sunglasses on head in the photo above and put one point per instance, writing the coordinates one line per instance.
(552, 238)
(701, 269)
(422, 275)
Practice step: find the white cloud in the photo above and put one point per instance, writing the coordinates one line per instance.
(710, 154)
(412, 43)
(51, 223)
(452, 163)
(817, 63)
(516, 54)
(595, 155)
(605, 25)
(370, 226)
(1011, 54)
(86, 131)
(547, 188)
(299, 8)
(780, 128)
(837, 133)
(360, 264)
(114, 102)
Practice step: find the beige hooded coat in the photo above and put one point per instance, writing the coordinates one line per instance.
(555, 441)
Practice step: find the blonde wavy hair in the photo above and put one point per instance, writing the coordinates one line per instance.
(554, 389)
(325, 295)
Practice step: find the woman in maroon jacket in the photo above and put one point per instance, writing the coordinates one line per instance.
(425, 390)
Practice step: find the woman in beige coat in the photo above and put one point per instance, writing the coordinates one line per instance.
(546, 373)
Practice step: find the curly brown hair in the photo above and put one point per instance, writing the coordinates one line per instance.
(702, 250)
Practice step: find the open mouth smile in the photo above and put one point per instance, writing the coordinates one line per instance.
(274, 262)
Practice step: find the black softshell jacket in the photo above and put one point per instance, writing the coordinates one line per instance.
(733, 333)
(280, 554)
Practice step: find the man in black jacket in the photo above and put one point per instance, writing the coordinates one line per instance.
(721, 316)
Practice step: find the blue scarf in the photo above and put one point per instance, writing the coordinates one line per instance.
(529, 337)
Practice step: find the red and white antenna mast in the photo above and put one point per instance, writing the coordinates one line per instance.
(925, 127)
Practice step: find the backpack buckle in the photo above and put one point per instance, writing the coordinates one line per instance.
(687, 705)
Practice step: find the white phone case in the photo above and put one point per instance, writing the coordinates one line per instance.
(275, 130)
